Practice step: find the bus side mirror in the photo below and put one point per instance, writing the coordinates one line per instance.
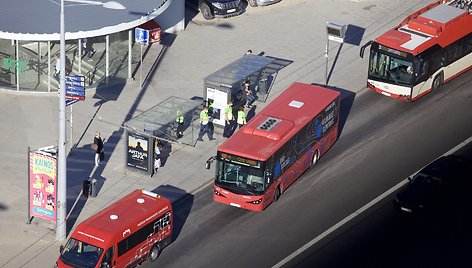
(361, 52)
(209, 161)
(61, 249)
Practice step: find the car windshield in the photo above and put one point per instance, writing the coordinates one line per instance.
(80, 254)
(239, 179)
(390, 69)
(425, 179)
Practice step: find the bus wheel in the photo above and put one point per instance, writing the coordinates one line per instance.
(154, 253)
(277, 194)
(437, 82)
(315, 159)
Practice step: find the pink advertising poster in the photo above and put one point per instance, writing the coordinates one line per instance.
(43, 186)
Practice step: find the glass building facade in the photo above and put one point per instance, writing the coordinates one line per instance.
(30, 65)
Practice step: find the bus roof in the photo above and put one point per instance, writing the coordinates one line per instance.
(112, 223)
(438, 23)
(279, 121)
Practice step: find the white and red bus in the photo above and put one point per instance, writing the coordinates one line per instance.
(428, 48)
(258, 162)
(125, 234)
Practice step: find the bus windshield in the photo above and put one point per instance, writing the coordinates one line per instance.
(390, 69)
(240, 179)
(80, 254)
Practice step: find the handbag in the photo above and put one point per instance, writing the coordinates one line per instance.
(102, 156)
(94, 147)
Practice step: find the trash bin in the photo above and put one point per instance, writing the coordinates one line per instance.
(87, 190)
(93, 188)
(263, 85)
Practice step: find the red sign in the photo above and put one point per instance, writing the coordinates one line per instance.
(43, 182)
(154, 31)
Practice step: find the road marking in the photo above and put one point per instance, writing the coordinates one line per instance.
(356, 213)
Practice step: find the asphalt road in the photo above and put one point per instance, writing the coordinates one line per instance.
(382, 142)
(383, 237)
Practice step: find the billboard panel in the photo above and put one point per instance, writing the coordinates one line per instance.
(138, 151)
(43, 185)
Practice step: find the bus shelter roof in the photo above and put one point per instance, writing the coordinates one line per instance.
(239, 70)
(160, 120)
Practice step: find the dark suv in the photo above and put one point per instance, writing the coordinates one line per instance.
(442, 185)
(219, 8)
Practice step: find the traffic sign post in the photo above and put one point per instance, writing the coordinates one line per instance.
(75, 91)
(141, 36)
(336, 32)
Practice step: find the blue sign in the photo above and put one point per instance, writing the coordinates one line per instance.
(141, 36)
(75, 87)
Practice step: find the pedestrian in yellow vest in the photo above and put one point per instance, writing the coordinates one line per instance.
(204, 125)
(180, 123)
(241, 117)
(229, 120)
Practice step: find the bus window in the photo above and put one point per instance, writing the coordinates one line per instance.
(81, 254)
(246, 179)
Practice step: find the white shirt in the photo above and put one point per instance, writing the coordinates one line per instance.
(58, 65)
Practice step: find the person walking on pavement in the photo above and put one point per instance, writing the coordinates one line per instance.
(57, 68)
(98, 145)
(205, 125)
(88, 48)
(241, 117)
(179, 120)
(229, 120)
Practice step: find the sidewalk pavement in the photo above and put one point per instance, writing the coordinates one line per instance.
(179, 68)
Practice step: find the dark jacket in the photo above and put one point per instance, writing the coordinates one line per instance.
(99, 143)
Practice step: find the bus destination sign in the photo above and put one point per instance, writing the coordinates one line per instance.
(239, 160)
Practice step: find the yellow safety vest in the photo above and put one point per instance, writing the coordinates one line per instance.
(204, 117)
(179, 119)
(229, 113)
(241, 118)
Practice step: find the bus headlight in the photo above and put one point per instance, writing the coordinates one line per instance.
(256, 201)
(217, 193)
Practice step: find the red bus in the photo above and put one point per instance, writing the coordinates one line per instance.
(258, 162)
(428, 48)
(125, 234)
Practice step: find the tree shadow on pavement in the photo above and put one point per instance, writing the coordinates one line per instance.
(182, 203)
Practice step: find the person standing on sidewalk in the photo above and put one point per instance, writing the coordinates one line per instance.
(57, 68)
(241, 117)
(204, 125)
(229, 120)
(98, 144)
(157, 156)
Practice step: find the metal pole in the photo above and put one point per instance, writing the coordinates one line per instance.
(130, 54)
(326, 64)
(61, 169)
(141, 67)
(71, 132)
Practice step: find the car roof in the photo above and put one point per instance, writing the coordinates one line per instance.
(449, 167)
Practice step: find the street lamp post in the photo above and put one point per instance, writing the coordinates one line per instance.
(61, 156)
(62, 168)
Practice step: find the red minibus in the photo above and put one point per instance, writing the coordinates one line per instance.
(135, 228)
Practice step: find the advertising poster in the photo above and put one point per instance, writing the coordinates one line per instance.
(138, 151)
(43, 182)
